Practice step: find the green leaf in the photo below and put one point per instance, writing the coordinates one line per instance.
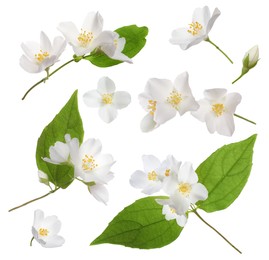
(140, 225)
(135, 41)
(67, 121)
(225, 173)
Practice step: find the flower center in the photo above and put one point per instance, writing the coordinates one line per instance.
(43, 232)
(195, 28)
(85, 38)
(88, 163)
(167, 172)
(184, 189)
(107, 99)
(42, 55)
(116, 43)
(152, 106)
(218, 109)
(174, 99)
(152, 176)
(173, 210)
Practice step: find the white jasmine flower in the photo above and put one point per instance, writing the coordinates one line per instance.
(198, 29)
(90, 35)
(41, 56)
(251, 58)
(45, 230)
(43, 177)
(149, 180)
(217, 110)
(107, 99)
(184, 189)
(169, 98)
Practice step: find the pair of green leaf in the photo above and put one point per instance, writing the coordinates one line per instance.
(142, 224)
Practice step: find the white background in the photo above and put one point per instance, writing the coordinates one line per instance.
(241, 25)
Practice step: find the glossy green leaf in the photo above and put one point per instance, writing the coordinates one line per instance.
(225, 173)
(135, 41)
(140, 225)
(67, 121)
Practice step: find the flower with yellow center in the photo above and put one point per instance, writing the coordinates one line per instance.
(107, 99)
(195, 28)
(217, 110)
(45, 230)
(85, 38)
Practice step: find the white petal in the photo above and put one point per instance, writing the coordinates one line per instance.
(139, 180)
(215, 93)
(121, 57)
(104, 159)
(90, 147)
(187, 174)
(181, 203)
(201, 15)
(106, 41)
(92, 98)
(70, 32)
(99, 192)
(45, 44)
(30, 49)
(198, 192)
(169, 215)
(52, 224)
(73, 145)
(106, 86)
(59, 152)
(148, 124)
(80, 51)
(188, 104)
(150, 163)
(181, 220)
(170, 185)
(163, 202)
(203, 110)
(164, 112)
(121, 43)
(54, 241)
(28, 65)
(58, 46)
(121, 99)
(181, 83)
(210, 120)
(231, 102)
(173, 163)
(159, 89)
(93, 23)
(108, 113)
(225, 124)
(38, 218)
(153, 187)
(212, 20)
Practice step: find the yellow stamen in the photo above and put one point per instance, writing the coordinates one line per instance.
(195, 28)
(167, 172)
(116, 43)
(42, 55)
(218, 109)
(152, 106)
(174, 99)
(43, 232)
(184, 189)
(85, 38)
(88, 163)
(107, 99)
(152, 176)
(173, 210)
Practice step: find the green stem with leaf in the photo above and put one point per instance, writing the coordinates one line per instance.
(194, 210)
(33, 200)
(219, 49)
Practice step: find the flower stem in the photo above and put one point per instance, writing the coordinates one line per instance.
(46, 78)
(31, 242)
(238, 78)
(30, 201)
(198, 215)
(245, 119)
(208, 40)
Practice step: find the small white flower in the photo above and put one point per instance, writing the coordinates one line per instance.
(198, 29)
(107, 99)
(184, 189)
(251, 57)
(150, 180)
(43, 177)
(45, 230)
(168, 98)
(90, 35)
(217, 110)
(41, 56)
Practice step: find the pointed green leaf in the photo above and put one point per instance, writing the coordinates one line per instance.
(140, 225)
(67, 121)
(135, 41)
(225, 173)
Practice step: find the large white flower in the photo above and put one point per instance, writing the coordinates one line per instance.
(169, 98)
(217, 110)
(184, 189)
(90, 35)
(107, 99)
(45, 230)
(198, 29)
(40, 56)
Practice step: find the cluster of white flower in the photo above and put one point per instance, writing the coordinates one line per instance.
(90, 166)
(162, 99)
(178, 180)
(41, 56)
